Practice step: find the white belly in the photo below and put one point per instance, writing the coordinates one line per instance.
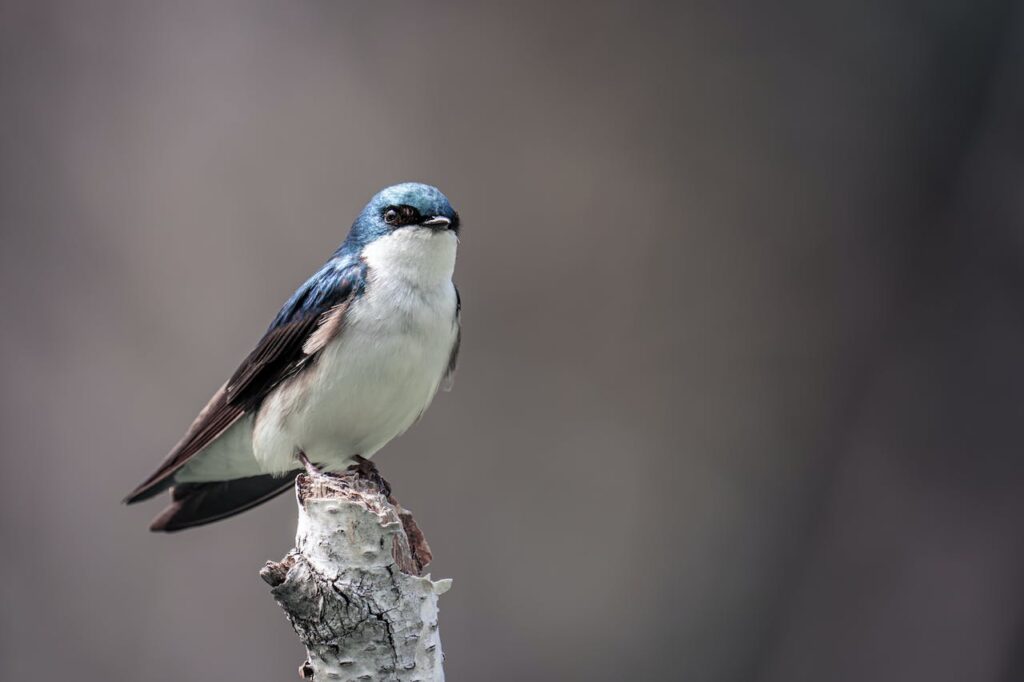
(372, 381)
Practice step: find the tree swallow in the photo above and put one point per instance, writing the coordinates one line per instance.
(353, 358)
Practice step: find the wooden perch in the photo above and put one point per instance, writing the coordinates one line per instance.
(353, 588)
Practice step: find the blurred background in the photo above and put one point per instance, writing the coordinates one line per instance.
(741, 384)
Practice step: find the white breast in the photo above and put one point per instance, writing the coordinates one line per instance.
(380, 372)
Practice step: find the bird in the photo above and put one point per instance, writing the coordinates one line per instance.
(352, 359)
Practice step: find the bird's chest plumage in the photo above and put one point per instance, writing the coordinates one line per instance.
(377, 374)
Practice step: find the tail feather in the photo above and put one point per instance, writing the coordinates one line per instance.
(195, 504)
(146, 491)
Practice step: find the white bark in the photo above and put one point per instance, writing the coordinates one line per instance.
(352, 587)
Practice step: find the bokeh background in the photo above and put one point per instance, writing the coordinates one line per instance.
(741, 383)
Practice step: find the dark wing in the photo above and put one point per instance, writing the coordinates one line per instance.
(453, 359)
(196, 504)
(281, 352)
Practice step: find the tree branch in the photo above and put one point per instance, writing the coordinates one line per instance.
(353, 588)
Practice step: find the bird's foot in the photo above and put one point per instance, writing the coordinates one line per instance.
(368, 470)
(363, 467)
(311, 468)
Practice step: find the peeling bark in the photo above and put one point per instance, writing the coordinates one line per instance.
(353, 588)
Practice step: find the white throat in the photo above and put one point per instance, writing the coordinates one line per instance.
(415, 256)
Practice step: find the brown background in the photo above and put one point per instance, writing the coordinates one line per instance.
(741, 386)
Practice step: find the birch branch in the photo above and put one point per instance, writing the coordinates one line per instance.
(353, 588)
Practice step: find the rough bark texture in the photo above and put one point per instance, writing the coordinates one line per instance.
(353, 587)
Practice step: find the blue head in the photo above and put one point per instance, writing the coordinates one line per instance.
(410, 205)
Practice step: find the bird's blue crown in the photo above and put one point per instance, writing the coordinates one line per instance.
(344, 273)
(427, 201)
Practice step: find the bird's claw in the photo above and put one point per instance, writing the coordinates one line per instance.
(368, 470)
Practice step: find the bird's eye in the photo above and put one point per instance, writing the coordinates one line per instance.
(391, 216)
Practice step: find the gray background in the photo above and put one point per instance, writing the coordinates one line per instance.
(740, 395)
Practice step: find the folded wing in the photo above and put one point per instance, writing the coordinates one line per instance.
(282, 352)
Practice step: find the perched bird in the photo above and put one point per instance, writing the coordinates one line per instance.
(352, 360)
